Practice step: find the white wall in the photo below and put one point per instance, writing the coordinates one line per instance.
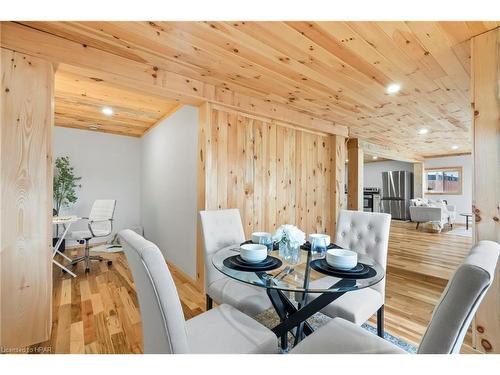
(169, 187)
(462, 202)
(372, 173)
(110, 169)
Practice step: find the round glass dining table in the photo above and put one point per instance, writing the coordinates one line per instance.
(301, 279)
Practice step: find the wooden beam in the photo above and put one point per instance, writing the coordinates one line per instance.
(389, 152)
(485, 90)
(446, 155)
(418, 180)
(27, 107)
(338, 201)
(125, 72)
(204, 116)
(354, 175)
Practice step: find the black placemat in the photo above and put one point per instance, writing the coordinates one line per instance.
(307, 246)
(235, 262)
(323, 267)
(276, 245)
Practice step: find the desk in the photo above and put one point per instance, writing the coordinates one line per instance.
(66, 222)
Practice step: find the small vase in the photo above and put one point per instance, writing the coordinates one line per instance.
(291, 254)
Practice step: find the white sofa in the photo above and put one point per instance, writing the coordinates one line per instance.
(438, 213)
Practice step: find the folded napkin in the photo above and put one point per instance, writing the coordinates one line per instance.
(307, 246)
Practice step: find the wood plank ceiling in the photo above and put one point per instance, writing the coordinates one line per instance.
(337, 71)
(79, 101)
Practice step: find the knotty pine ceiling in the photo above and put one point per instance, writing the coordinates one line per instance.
(79, 101)
(336, 71)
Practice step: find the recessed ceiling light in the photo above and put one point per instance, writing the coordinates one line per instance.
(423, 131)
(108, 111)
(374, 157)
(393, 88)
(454, 147)
(347, 160)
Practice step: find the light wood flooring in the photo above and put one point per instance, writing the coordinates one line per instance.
(98, 312)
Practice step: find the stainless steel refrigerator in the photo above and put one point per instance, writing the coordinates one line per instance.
(397, 190)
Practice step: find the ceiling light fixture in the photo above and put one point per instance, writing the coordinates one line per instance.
(108, 111)
(454, 147)
(393, 88)
(93, 127)
(374, 157)
(347, 160)
(423, 131)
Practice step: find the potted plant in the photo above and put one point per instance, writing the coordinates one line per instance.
(64, 189)
(289, 238)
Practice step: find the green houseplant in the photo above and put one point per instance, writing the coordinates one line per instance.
(64, 187)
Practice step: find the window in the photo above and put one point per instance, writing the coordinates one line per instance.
(444, 180)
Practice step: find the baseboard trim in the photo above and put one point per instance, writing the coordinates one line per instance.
(181, 273)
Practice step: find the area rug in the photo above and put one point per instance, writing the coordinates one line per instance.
(460, 232)
(270, 319)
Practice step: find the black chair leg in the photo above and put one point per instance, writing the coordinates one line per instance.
(380, 322)
(417, 225)
(209, 302)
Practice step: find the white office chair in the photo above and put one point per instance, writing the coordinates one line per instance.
(223, 228)
(100, 224)
(223, 330)
(449, 323)
(366, 233)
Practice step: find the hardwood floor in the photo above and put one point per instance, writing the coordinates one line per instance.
(98, 312)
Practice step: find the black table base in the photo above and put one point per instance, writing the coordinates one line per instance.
(292, 317)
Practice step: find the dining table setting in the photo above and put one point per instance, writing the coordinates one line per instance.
(286, 263)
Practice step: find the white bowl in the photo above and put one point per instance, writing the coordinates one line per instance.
(342, 259)
(319, 235)
(253, 253)
(256, 236)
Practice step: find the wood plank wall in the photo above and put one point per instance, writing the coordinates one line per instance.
(485, 91)
(26, 199)
(273, 172)
(355, 175)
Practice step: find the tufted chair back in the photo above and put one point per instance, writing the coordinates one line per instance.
(221, 228)
(366, 233)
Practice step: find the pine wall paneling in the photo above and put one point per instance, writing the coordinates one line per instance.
(27, 98)
(274, 173)
(485, 88)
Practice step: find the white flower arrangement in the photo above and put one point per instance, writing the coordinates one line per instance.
(290, 235)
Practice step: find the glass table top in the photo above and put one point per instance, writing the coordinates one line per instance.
(303, 278)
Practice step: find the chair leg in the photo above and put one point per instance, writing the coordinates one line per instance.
(209, 302)
(380, 322)
(417, 225)
(86, 257)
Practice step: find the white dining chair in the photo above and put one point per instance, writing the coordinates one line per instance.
(222, 330)
(366, 233)
(222, 228)
(449, 323)
(100, 224)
